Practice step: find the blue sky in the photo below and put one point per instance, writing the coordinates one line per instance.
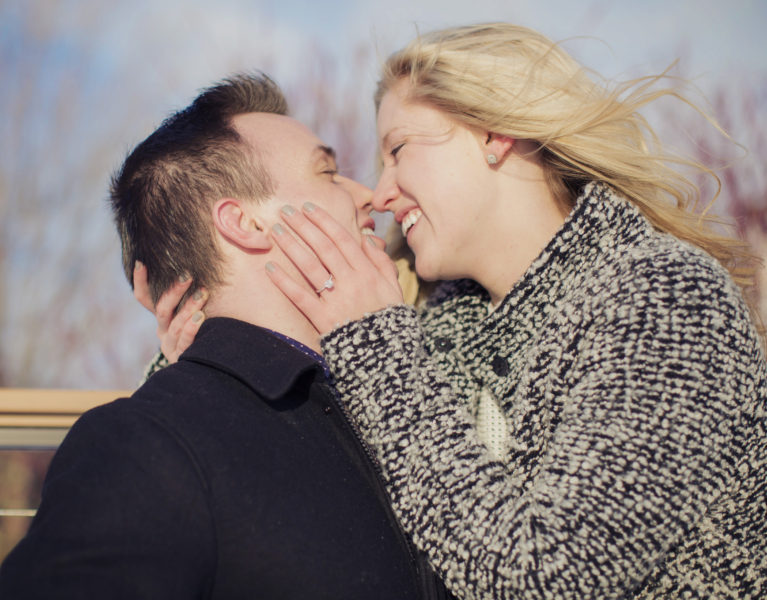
(719, 36)
(84, 80)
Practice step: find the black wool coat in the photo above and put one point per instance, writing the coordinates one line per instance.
(232, 474)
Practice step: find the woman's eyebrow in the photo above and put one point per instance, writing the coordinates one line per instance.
(385, 139)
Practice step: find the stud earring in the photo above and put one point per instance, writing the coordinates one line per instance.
(492, 159)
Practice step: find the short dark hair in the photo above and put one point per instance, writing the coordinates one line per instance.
(162, 195)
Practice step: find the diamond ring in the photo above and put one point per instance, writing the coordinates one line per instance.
(328, 285)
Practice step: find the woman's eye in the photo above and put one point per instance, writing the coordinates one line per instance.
(396, 149)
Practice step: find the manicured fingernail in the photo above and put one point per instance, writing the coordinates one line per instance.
(183, 277)
(198, 295)
(277, 229)
(371, 241)
(288, 210)
(309, 207)
(198, 316)
(270, 267)
(138, 265)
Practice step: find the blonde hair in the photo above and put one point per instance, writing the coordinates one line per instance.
(513, 81)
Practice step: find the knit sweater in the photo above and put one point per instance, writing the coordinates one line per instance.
(633, 387)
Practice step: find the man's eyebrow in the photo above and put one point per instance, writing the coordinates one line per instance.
(327, 151)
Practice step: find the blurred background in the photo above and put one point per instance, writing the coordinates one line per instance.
(85, 80)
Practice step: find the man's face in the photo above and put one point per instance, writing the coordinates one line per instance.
(303, 169)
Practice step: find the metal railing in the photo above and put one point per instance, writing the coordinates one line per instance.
(38, 419)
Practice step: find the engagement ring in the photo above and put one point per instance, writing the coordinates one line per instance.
(328, 285)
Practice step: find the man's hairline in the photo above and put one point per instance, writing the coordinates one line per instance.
(254, 153)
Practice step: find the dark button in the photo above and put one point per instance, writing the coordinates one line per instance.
(444, 344)
(327, 410)
(500, 366)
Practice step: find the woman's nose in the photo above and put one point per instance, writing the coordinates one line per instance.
(386, 190)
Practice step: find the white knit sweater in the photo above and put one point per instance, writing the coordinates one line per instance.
(633, 387)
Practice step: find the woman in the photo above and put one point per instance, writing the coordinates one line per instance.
(579, 410)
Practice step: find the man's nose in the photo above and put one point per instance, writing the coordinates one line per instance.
(362, 196)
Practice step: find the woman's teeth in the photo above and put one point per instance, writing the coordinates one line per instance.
(367, 231)
(410, 219)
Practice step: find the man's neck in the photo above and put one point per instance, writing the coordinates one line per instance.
(261, 303)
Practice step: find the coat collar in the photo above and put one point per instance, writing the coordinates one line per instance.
(600, 222)
(269, 365)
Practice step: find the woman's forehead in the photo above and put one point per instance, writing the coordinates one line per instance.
(399, 114)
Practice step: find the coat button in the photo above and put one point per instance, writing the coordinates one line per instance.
(444, 344)
(327, 410)
(500, 366)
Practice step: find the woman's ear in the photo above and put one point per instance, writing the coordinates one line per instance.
(234, 221)
(496, 147)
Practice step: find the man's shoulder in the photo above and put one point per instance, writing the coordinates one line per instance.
(186, 392)
(234, 377)
(183, 399)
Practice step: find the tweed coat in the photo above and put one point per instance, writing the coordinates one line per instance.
(633, 388)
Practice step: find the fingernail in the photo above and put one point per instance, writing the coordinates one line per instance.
(198, 316)
(198, 295)
(138, 265)
(277, 229)
(309, 207)
(288, 210)
(270, 267)
(183, 277)
(371, 241)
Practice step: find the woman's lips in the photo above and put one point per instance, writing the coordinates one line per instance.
(410, 219)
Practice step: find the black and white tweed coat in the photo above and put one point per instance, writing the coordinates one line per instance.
(633, 387)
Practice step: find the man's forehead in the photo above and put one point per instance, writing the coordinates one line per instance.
(269, 130)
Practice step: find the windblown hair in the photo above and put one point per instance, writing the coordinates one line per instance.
(162, 195)
(514, 81)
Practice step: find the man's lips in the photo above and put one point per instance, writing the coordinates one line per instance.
(368, 227)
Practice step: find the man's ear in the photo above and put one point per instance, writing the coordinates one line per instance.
(498, 145)
(234, 220)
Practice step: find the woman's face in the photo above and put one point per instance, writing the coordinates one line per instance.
(434, 182)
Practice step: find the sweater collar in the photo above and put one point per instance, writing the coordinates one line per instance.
(264, 361)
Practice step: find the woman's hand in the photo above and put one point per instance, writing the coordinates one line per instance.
(177, 332)
(363, 277)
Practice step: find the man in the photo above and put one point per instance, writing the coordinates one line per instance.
(233, 473)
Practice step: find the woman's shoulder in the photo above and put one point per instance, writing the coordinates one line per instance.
(663, 264)
(668, 285)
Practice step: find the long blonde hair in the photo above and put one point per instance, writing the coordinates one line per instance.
(513, 81)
